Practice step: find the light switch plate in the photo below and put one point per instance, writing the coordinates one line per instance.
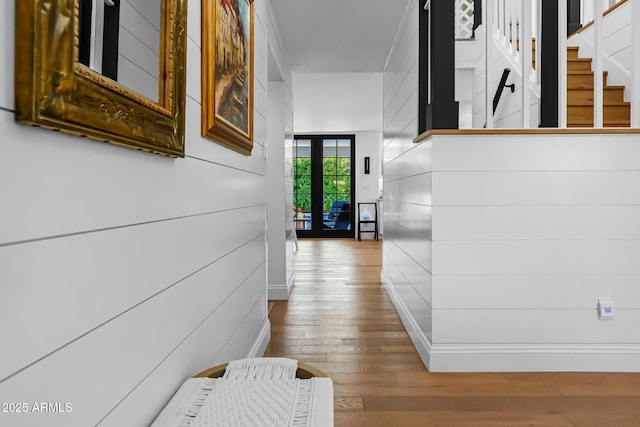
(605, 308)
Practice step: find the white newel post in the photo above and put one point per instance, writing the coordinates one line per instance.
(598, 68)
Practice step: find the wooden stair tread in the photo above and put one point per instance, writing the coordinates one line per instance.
(605, 72)
(607, 88)
(580, 95)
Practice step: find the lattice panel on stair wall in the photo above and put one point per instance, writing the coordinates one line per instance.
(464, 19)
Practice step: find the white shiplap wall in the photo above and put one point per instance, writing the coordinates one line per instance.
(497, 247)
(407, 179)
(279, 166)
(124, 273)
(528, 232)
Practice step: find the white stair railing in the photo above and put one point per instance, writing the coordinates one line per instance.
(635, 65)
(597, 43)
(511, 25)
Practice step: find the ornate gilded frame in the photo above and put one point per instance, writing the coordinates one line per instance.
(214, 126)
(54, 90)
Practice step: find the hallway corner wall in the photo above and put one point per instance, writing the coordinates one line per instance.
(280, 243)
(124, 273)
(407, 183)
(497, 247)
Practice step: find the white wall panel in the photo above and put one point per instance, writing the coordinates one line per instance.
(536, 222)
(260, 74)
(194, 23)
(259, 133)
(145, 341)
(407, 85)
(418, 276)
(251, 323)
(211, 151)
(405, 115)
(7, 53)
(194, 85)
(416, 307)
(398, 143)
(572, 257)
(413, 189)
(207, 329)
(537, 153)
(416, 246)
(414, 160)
(106, 188)
(536, 188)
(260, 84)
(193, 356)
(125, 266)
(539, 291)
(534, 327)
(416, 219)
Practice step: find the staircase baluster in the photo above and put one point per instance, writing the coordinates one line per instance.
(635, 67)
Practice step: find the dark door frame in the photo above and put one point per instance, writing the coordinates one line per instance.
(317, 226)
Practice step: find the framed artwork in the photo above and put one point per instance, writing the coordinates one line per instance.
(62, 80)
(227, 73)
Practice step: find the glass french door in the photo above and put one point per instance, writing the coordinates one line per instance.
(323, 185)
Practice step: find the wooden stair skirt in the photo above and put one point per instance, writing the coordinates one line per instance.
(617, 112)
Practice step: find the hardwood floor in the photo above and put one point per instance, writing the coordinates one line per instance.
(340, 320)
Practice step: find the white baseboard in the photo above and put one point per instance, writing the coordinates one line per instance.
(281, 292)
(421, 342)
(260, 346)
(535, 358)
(514, 357)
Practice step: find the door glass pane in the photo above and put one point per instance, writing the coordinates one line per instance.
(302, 184)
(336, 184)
(344, 166)
(329, 148)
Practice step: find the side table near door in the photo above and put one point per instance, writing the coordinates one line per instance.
(370, 207)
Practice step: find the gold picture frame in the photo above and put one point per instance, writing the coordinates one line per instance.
(227, 73)
(55, 91)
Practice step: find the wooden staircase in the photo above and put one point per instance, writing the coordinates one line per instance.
(617, 112)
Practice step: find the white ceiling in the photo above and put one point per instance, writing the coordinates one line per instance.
(325, 36)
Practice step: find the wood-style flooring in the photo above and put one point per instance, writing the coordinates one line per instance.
(340, 320)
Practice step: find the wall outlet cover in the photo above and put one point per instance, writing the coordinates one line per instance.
(605, 308)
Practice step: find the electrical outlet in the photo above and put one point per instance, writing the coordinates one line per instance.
(605, 308)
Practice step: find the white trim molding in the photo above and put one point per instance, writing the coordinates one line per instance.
(262, 341)
(281, 292)
(535, 358)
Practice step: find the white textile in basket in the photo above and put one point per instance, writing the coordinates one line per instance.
(251, 397)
